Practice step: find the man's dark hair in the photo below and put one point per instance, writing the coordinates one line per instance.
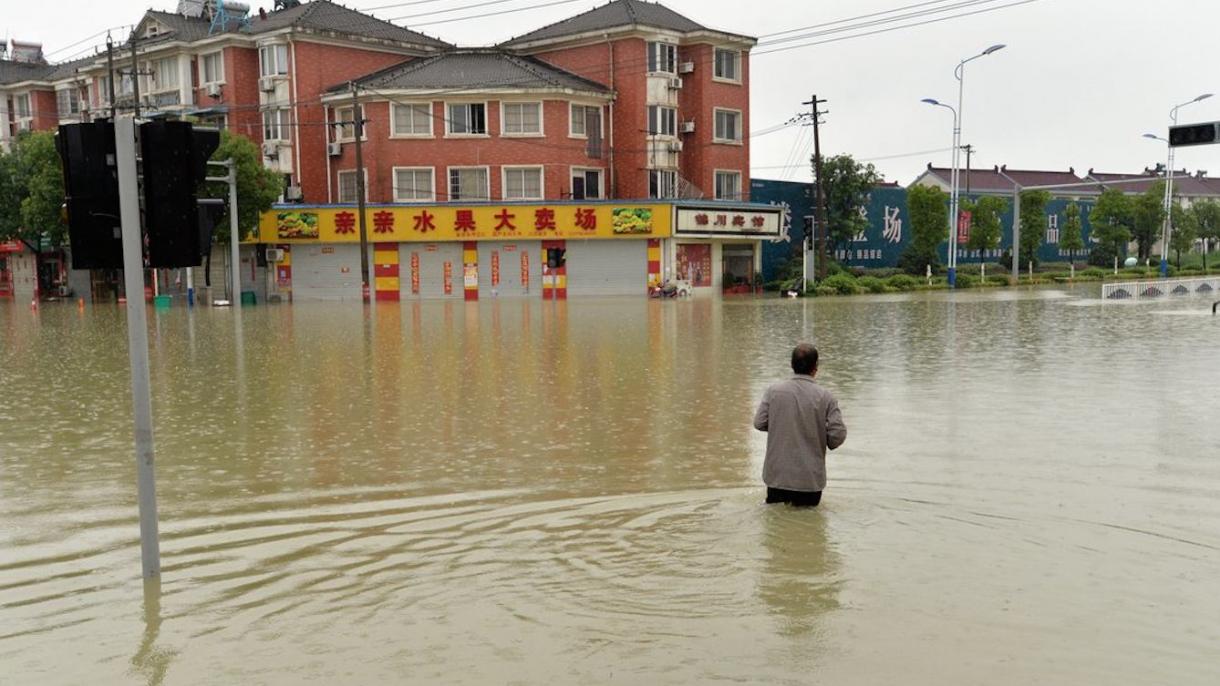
(804, 358)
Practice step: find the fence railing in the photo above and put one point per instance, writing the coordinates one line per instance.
(1160, 288)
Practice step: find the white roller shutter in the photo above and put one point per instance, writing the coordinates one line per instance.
(325, 272)
(509, 255)
(607, 267)
(432, 258)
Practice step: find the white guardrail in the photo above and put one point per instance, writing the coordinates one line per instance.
(1159, 288)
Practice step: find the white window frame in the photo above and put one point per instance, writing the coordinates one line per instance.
(29, 106)
(395, 133)
(339, 129)
(279, 51)
(740, 125)
(660, 131)
(431, 186)
(339, 185)
(736, 65)
(219, 55)
(449, 181)
(449, 132)
(77, 99)
(520, 134)
(281, 122)
(716, 173)
(573, 172)
(655, 50)
(504, 171)
(572, 107)
(158, 75)
(668, 173)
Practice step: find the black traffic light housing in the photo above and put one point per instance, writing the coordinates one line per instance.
(175, 156)
(91, 187)
(555, 258)
(1193, 134)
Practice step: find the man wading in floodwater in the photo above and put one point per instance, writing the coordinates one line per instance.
(802, 421)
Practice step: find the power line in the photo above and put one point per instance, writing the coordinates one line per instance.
(83, 40)
(963, 4)
(493, 14)
(452, 9)
(849, 19)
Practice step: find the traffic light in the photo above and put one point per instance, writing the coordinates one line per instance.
(175, 156)
(809, 232)
(555, 258)
(1193, 134)
(91, 188)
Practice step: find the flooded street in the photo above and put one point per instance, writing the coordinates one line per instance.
(513, 491)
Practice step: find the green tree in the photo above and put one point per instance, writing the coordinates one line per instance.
(1112, 218)
(1033, 219)
(1148, 217)
(1207, 216)
(1070, 237)
(928, 209)
(257, 186)
(846, 185)
(985, 226)
(1185, 230)
(32, 191)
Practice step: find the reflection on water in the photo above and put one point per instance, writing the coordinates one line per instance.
(513, 491)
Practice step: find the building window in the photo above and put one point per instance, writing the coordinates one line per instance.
(662, 183)
(662, 121)
(67, 101)
(522, 183)
(414, 184)
(587, 184)
(469, 183)
(728, 65)
(212, 68)
(21, 106)
(345, 125)
(662, 57)
(347, 186)
(728, 126)
(411, 119)
(275, 125)
(165, 74)
(728, 185)
(273, 59)
(521, 118)
(586, 121)
(468, 118)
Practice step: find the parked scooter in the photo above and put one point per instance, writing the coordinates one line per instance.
(671, 289)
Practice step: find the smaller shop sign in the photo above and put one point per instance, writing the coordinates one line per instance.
(763, 222)
(11, 246)
(525, 270)
(448, 278)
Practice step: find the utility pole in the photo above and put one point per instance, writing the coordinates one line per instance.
(135, 75)
(819, 209)
(969, 151)
(358, 129)
(110, 71)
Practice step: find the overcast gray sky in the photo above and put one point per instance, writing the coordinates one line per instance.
(1078, 84)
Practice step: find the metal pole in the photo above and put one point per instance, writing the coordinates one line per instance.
(951, 249)
(358, 130)
(1173, 116)
(1016, 233)
(234, 235)
(137, 343)
(959, 115)
(110, 71)
(135, 74)
(821, 226)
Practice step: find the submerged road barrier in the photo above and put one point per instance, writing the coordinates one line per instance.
(1157, 288)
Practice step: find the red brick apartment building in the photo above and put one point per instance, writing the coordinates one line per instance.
(627, 101)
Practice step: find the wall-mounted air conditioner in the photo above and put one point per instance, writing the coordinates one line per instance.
(674, 146)
(292, 193)
(686, 67)
(271, 149)
(675, 84)
(687, 127)
(266, 84)
(334, 149)
(213, 90)
(275, 254)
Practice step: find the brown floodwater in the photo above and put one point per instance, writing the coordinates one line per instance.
(523, 492)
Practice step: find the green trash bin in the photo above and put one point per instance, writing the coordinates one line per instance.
(162, 302)
(247, 297)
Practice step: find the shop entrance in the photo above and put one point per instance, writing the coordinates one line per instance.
(738, 268)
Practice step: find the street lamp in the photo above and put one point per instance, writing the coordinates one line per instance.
(950, 251)
(959, 73)
(1165, 227)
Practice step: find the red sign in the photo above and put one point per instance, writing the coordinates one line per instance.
(11, 246)
(448, 278)
(525, 269)
(414, 273)
(963, 227)
(495, 268)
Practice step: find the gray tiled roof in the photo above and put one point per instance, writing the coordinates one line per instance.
(612, 15)
(16, 72)
(481, 69)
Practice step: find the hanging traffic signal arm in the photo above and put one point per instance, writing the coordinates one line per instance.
(1194, 134)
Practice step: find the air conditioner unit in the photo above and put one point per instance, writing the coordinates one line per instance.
(687, 127)
(266, 84)
(675, 84)
(674, 146)
(292, 193)
(213, 90)
(275, 254)
(271, 149)
(686, 67)
(334, 149)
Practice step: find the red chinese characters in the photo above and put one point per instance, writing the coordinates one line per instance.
(464, 221)
(722, 220)
(758, 221)
(345, 222)
(423, 222)
(586, 219)
(739, 220)
(701, 219)
(505, 220)
(383, 222)
(544, 219)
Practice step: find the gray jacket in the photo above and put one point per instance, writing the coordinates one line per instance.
(802, 420)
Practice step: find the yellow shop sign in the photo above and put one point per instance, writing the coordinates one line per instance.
(433, 223)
